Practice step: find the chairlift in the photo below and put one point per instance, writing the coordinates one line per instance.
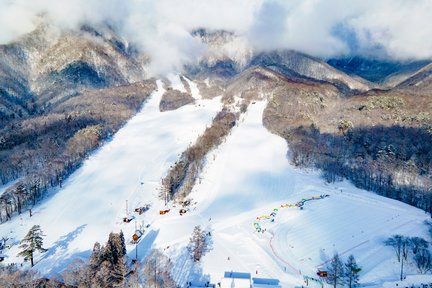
(137, 236)
(128, 219)
(141, 210)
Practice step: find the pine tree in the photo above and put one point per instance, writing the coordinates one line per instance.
(95, 258)
(114, 256)
(111, 252)
(352, 272)
(31, 243)
(197, 244)
(123, 243)
(115, 248)
(335, 271)
(102, 275)
(20, 193)
(117, 275)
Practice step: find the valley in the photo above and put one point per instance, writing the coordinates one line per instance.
(245, 177)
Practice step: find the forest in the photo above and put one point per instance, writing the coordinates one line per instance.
(392, 161)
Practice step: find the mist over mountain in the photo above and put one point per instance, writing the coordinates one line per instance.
(387, 29)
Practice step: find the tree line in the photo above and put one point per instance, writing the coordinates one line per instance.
(414, 249)
(181, 177)
(107, 266)
(341, 274)
(392, 161)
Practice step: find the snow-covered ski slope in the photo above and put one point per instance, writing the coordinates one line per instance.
(245, 178)
(93, 200)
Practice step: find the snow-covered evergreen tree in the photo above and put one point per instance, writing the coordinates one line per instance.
(20, 193)
(123, 243)
(198, 244)
(107, 266)
(336, 272)
(31, 243)
(352, 271)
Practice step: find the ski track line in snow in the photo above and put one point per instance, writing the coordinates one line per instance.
(369, 200)
(344, 252)
(404, 224)
(362, 243)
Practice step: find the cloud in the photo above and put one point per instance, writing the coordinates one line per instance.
(162, 28)
(400, 28)
(397, 29)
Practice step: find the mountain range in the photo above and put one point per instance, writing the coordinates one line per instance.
(65, 93)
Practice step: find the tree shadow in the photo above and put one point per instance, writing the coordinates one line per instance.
(186, 270)
(57, 257)
(325, 259)
(143, 248)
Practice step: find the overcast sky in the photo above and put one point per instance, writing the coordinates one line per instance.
(398, 29)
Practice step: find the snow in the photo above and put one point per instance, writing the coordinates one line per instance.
(415, 281)
(246, 177)
(6, 186)
(176, 83)
(194, 89)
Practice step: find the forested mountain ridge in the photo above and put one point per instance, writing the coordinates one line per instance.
(48, 66)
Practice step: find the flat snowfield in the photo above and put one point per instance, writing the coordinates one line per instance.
(246, 177)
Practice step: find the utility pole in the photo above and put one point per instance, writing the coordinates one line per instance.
(136, 244)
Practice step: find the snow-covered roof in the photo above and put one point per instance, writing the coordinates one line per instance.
(240, 275)
(265, 283)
